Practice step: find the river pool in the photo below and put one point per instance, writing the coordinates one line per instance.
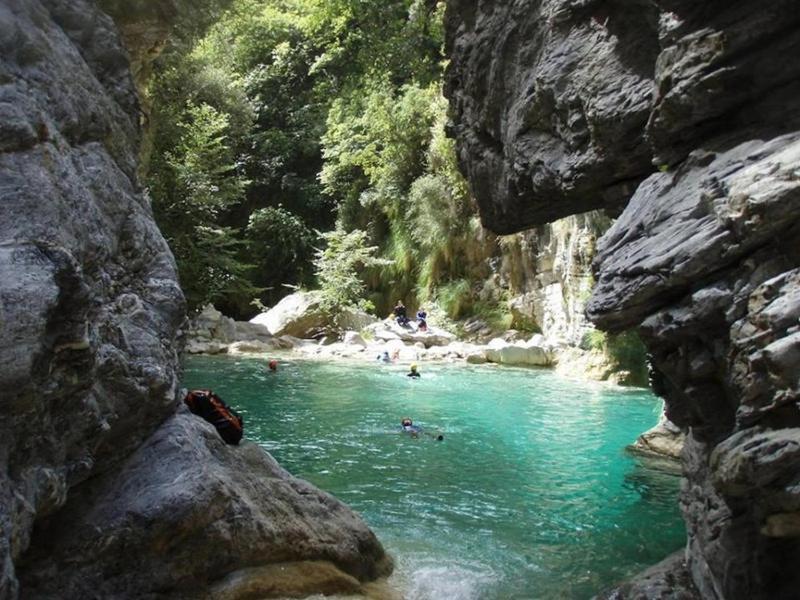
(531, 494)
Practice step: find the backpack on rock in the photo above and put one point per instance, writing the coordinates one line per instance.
(208, 405)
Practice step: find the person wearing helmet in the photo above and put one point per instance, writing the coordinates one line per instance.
(401, 314)
(422, 320)
(409, 427)
(413, 372)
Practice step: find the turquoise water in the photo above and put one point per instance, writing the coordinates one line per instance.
(530, 495)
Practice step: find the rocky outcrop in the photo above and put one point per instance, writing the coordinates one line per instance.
(104, 492)
(664, 439)
(211, 332)
(388, 330)
(547, 271)
(203, 517)
(531, 116)
(562, 106)
(706, 259)
(89, 302)
(299, 315)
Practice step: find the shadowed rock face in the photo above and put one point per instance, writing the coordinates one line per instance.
(532, 117)
(705, 258)
(98, 477)
(564, 106)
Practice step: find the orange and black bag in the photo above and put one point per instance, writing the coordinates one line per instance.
(208, 405)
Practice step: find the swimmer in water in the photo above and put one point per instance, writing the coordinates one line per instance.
(273, 365)
(414, 430)
(413, 372)
(409, 427)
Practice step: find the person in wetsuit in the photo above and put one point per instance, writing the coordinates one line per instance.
(400, 314)
(413, 372)
(422, 322)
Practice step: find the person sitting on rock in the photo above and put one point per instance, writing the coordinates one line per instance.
(400, 314)
(422, 323)
(413, 372)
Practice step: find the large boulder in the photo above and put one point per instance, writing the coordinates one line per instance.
(354, 319)
(198, 514)
(298, 315)
(518, 353)
(104, 493)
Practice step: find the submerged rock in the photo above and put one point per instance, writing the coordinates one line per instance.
(668, 580)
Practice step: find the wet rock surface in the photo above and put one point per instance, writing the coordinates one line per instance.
(92, 503)
(705, 258)
(668, 580)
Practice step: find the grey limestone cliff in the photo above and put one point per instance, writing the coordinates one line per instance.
(100, 479)
(687, 112)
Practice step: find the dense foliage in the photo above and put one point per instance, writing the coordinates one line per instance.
(300, 116)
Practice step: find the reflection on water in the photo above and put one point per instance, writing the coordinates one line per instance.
(530, 495)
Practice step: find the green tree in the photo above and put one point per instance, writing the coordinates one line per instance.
(281, 248)
(198, 180)
(338, 267)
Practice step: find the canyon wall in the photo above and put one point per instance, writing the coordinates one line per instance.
(108, 488)
(686, 115)
(546, 271)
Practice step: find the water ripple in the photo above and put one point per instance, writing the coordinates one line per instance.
(530, 495)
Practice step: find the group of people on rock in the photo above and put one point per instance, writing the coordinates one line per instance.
(401, 316)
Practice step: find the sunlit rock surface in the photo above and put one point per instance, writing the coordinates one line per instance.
(104, 491)
(705, 258)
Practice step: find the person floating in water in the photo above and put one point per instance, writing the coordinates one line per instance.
(400, 314)
(422, 323)
(273, 365)
(414, 430)
(409, 427)
(413, 372)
